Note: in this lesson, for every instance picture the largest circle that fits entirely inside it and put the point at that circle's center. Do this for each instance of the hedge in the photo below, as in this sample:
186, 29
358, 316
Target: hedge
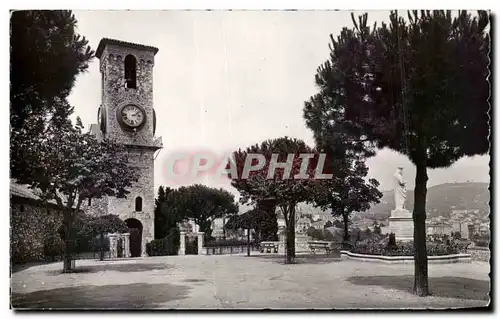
167, 246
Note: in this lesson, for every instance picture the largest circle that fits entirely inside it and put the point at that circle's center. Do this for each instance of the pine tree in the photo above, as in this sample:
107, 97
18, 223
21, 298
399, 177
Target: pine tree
46, 56
417, 86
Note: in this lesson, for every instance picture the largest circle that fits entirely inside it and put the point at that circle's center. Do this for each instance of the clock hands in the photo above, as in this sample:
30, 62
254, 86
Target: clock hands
132, 116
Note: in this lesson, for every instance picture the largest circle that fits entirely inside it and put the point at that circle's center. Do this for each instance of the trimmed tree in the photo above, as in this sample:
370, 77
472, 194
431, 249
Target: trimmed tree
248, 220
203, 204
419, 87
284, 192
70, 167
93, 226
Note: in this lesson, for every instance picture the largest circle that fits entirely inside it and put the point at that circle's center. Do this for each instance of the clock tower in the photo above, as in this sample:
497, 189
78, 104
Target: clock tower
127, 116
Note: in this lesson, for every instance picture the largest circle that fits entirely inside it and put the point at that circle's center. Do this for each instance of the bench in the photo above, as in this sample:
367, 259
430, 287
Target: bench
268, 246
320, 245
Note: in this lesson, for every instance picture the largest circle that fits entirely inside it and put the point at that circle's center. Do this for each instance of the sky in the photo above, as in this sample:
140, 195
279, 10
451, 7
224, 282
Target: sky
228, 79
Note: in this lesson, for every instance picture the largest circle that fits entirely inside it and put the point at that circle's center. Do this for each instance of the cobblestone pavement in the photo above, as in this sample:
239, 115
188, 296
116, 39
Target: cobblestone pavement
195, 282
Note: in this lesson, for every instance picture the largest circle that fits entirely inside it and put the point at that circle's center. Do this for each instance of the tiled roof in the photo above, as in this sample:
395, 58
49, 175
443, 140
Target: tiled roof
21, 190
25, 191
106, 41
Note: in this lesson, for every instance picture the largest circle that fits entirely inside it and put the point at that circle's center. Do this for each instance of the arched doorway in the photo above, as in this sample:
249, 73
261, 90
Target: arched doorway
135, 230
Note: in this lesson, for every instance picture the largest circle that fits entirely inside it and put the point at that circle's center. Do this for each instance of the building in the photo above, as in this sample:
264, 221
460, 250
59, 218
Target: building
460, 227
32, 223
127, 116
438, 228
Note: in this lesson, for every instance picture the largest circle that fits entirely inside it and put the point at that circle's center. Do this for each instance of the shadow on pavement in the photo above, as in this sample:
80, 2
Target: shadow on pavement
447, 287
139, 295
20, 267
122, 267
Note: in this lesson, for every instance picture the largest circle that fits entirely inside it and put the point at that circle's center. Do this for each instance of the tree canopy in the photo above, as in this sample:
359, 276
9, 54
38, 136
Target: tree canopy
166, 216
247, 220
201, 203
284, 193
46, 56
71, 166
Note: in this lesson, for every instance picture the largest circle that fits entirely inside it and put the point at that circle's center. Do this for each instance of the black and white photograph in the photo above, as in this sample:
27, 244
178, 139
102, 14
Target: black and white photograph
250, 159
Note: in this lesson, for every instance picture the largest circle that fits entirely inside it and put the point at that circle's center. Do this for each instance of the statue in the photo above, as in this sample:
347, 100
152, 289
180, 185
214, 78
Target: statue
399, 189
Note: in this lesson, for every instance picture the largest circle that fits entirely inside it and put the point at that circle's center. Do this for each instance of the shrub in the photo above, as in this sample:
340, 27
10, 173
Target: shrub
482, 242
320, 234
387, 247
456, 235
167, 246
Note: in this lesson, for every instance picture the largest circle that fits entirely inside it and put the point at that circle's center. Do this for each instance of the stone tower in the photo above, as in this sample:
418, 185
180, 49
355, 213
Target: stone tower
126, 116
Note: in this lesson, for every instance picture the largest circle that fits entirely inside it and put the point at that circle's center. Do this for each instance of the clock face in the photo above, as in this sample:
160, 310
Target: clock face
132, 115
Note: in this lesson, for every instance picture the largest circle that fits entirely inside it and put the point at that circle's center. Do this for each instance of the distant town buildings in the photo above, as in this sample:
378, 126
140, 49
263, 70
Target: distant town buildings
467, 222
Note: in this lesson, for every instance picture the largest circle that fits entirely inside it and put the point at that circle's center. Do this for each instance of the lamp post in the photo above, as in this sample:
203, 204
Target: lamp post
248, 242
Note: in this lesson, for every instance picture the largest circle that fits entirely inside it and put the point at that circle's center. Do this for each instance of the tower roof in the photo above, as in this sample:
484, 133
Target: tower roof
106, 41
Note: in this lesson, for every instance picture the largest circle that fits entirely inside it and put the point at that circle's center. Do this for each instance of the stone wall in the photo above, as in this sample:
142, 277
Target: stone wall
30, 227
479, 254
97, 207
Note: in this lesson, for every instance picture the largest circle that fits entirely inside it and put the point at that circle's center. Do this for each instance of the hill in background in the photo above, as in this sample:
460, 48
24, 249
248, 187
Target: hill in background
441, 200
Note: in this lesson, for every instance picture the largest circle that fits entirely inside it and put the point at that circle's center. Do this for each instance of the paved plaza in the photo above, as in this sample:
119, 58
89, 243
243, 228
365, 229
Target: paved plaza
261, 281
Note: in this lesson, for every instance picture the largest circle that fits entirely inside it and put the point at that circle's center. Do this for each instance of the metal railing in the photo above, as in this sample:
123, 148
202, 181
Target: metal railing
228, 250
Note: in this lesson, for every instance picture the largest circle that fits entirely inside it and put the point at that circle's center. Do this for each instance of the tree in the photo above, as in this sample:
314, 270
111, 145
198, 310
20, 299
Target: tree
320, 234
92, 226
165, 216
248, 220
348, 194
70, 166
338, 224
159, 214
46, 56
268, 221
349, 191
284, 193
203, 204
417, 86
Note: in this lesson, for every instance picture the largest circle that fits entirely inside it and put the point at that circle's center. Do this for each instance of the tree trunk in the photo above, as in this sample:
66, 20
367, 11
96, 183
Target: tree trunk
345, 216
223, 228
248, 242
421, 286
68, 242
101, 250
290, 237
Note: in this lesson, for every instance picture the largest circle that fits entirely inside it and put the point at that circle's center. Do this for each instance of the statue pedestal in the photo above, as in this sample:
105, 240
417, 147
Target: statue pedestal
401, 224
